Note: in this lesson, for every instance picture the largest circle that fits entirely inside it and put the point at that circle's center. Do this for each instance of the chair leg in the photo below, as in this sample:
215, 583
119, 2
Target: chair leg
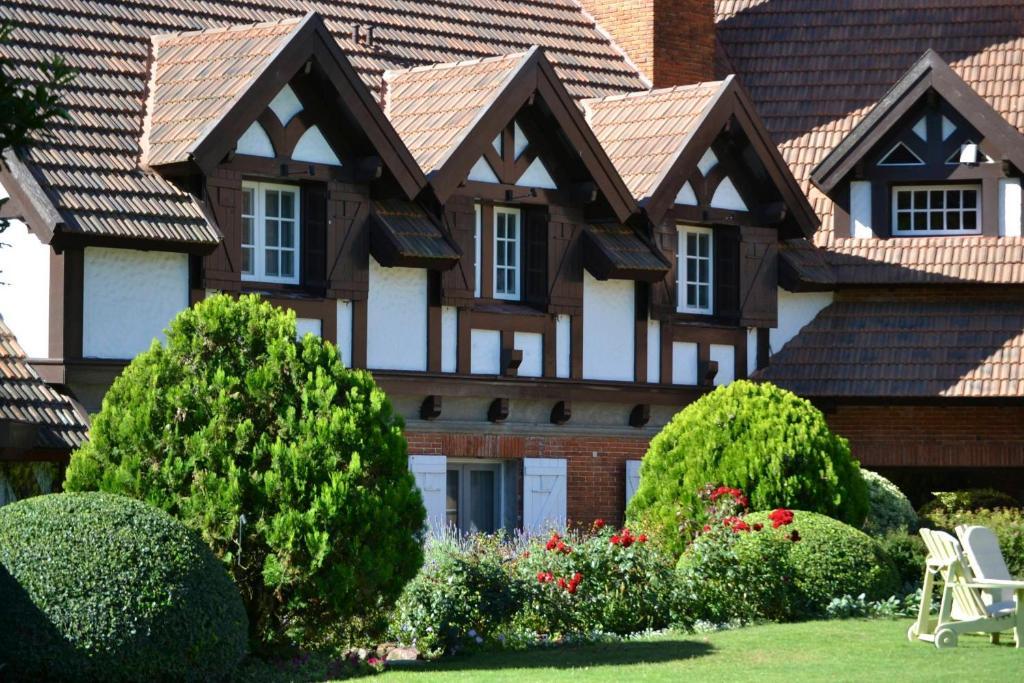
1018, 616
994, 638
924, 610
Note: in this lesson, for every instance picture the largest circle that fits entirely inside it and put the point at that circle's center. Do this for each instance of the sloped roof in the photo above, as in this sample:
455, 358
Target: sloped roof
25, 399
197, 76
89, 166
644, 132
617, 251
434, 107
404, 235
816, 68
907, 348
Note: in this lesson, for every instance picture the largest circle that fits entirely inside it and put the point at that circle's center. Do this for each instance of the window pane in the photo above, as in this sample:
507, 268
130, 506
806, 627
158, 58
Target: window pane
691, 243
272, 207
903, 200
247, 254
510, 254
953, 199
903, 221
270, 233
481, 501
937, 199
702, 246
702, 296
920, 199
953, 221
287, 205
970, 220
702, 271
287, 234
451, 507
920, 220
935, 219
691, 295
247, 201
287, 264
270, 262
970, 198
247, 231
499, 225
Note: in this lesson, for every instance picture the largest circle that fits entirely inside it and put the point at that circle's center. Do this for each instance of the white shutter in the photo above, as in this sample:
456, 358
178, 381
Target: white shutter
431, 473
544, 494
632, 479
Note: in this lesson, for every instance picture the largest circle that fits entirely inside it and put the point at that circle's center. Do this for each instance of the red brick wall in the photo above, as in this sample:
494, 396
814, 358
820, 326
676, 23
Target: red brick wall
933, 436
671, 41
596, 483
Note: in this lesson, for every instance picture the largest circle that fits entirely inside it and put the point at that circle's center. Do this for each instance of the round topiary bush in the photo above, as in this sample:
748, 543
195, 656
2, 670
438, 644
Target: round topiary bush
758, 437
888, 509
292, 467
102, 587
831, 559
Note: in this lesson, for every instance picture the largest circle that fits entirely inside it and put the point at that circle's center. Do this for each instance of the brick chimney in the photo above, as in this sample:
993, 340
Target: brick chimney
672, 42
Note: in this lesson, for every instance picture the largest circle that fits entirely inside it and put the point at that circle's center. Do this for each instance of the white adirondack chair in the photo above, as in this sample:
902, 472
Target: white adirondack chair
963, 607
986, 559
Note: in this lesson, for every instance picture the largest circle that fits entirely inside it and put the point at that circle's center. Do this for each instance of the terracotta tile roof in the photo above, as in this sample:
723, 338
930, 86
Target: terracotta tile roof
197, 76
26, 399
90, 165
434, 107
906, 348
644, 132
614, 250
409, 235
816, 68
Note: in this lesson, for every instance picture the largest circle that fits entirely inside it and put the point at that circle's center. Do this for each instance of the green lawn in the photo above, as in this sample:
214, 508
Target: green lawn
835, 650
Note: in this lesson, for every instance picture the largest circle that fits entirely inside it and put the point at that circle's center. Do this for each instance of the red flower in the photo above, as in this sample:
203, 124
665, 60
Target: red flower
541, 577
553, 541
577, 577
562, 583
598, 523
571, 588
642, 538
526, 553
615, 539
707, 528
780, 517
739, 526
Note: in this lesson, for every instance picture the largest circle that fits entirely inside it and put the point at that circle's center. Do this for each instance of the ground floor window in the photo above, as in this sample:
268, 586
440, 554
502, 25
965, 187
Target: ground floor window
473, 497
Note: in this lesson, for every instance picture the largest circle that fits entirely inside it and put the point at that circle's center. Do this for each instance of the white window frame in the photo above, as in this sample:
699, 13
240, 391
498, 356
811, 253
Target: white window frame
259, 233
517, 244
464, 467
897, 189
682, 261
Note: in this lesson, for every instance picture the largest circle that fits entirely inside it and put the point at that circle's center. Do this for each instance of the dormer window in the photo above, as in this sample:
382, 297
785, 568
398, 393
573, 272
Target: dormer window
270, 233
507, 268
936, 210
696, 257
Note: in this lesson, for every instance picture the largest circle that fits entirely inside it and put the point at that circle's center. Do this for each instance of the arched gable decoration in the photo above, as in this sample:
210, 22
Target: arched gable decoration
709, 151
255, 142
313, 148
488, 125
929, 77
287, 48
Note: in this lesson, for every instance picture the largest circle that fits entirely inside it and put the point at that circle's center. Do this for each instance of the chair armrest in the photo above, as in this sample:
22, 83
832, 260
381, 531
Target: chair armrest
996, 583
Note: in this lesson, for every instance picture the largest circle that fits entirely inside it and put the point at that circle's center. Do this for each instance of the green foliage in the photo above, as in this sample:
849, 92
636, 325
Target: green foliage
1006, 523
624, 584
292, 467
726, 580
832, 559
102, 587
908, 553
758, 437
888, 509
27, 479
462, 596
946, 502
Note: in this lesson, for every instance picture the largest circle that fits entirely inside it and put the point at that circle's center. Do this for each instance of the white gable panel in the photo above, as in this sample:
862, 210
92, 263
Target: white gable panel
948, 128
726, 197
344, 337
563, 345
536, 175
531, 344
485, 352
1009, 207
632, 479
751, 350
544, 494
313, 148
608, 322
686, 196
482, 172
431, 475
684, 363
449, 338
519, 140
255, 142
725, 356
860, 209
128, 298
396, 318
653, 351
921, 128
707, 162
285, 105
796, 309
308, 325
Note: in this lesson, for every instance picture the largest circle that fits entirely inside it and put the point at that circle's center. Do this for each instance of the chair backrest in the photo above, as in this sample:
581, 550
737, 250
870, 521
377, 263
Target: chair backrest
944, 556
982, 549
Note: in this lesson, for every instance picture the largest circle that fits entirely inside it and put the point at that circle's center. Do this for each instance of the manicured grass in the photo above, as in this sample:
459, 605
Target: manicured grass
851, 650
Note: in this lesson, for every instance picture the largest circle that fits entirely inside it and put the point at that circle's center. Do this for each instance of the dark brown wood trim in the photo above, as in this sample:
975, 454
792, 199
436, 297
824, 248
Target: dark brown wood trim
434, 322
576, 346
465, 344
640, 333
71, 325
359, 316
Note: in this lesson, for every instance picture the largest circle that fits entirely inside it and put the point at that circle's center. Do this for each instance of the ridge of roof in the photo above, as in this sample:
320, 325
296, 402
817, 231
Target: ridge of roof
655, 91
161, 37
390, 74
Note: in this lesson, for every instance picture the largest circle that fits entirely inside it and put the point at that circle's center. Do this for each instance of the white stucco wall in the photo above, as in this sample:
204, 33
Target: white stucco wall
796, 309
1009, 207
485, 352
684, 363
860, 209
344, 331
728, 197
725, 356
563, 346
751, 350
653, 351
25, 292
608, 319
449, 338
532, 346
396, 318
308, 325
128, 298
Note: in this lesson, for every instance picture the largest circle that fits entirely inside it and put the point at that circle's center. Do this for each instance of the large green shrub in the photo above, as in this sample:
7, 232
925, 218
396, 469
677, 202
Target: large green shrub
888, 509
462, 597
292, 467
102, 587
758, 437
832, 559
1006, 523
908, 554
968, 500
